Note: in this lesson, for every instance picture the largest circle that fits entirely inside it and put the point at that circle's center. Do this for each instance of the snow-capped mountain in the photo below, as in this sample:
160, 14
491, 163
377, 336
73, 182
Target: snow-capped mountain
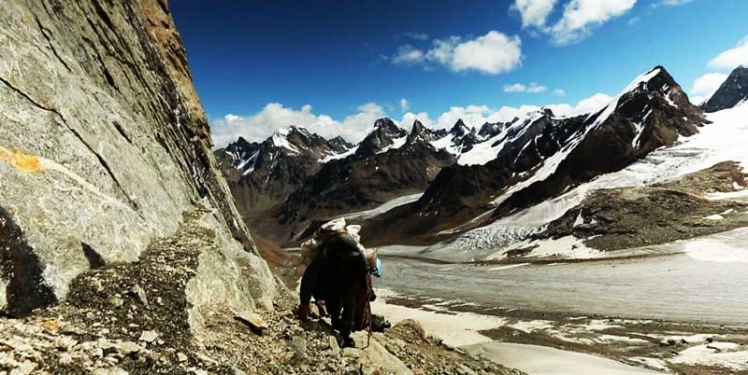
732, 92
389, 163
697, 187
458, 140
490, 130
262, 174
468, 179
340, 143
420, 133
542, 156
384, 136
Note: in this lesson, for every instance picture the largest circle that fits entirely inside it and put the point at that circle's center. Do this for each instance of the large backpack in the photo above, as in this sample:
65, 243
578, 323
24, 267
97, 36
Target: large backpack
311, 247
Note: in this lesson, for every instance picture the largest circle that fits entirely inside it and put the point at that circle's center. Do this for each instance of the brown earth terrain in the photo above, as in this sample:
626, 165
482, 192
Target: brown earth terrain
616, 219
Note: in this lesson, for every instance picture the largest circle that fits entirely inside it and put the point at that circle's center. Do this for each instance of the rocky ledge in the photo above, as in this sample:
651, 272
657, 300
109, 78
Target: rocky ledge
164, 315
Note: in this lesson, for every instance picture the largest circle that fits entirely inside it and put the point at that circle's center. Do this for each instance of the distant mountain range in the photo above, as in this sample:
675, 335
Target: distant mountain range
286, 185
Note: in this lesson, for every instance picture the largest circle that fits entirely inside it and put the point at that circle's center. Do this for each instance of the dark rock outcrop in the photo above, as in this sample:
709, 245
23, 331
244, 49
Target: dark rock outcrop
383, 136
420, 133
341, 144
490, 130
733, 91
463, 137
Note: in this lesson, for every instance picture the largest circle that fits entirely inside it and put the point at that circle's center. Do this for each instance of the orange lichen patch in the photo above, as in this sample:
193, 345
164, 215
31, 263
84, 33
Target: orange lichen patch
51, 325
24, 162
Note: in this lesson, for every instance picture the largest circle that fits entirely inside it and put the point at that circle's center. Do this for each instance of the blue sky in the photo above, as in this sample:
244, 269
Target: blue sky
334, 66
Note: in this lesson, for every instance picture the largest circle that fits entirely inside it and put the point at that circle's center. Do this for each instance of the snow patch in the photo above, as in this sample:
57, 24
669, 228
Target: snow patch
454, 329
385, 207
508, 267
280, 140
396, 143
565, 247
713, 250
532, 326
653, 363
252, 159
614, 339
724, 196
718, 354
579, 220
539, 360
341, 155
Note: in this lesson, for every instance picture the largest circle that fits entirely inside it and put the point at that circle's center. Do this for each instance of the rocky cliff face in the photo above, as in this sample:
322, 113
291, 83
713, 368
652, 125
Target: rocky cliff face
733, 91
104, 147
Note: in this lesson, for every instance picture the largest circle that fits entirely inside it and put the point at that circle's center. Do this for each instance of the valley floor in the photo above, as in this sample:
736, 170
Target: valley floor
682, 311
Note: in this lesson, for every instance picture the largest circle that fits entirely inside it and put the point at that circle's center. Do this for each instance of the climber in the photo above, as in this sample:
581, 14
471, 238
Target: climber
337, 273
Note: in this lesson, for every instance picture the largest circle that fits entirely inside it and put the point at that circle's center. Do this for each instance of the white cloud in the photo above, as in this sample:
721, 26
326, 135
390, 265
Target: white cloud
534, 13
517, 87
732, 58
533, 88
410, 117
592, 104
706, 85
443, 50
404, 105
492, 53
274, 116
417, 36
673, 3
477, 115
580, 16
698, 99
407, 54
559, 92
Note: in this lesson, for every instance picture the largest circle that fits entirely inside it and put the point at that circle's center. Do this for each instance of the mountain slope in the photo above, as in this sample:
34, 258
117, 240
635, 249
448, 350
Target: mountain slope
389, 163
543, 156
262, 175
733, 91
105, 147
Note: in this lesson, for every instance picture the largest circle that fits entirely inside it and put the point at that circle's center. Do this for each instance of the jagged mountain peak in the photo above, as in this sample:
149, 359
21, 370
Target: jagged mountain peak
460, 129
732, 92
656, 80
420, 133
340, 143
655, 90
386, 124
384, 135
418, 127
